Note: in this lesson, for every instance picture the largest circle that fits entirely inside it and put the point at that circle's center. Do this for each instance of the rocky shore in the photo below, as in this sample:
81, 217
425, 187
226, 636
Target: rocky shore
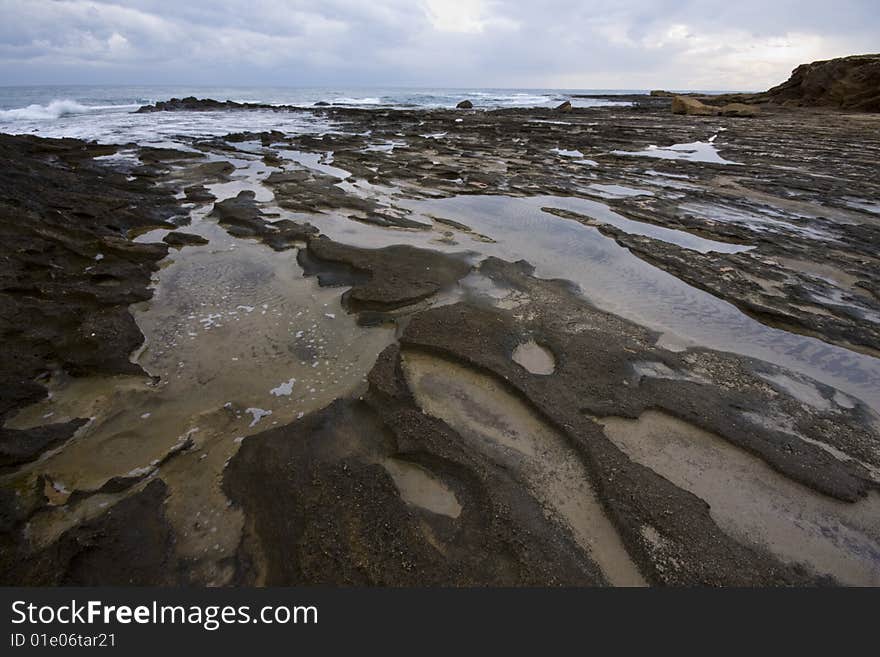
604, 346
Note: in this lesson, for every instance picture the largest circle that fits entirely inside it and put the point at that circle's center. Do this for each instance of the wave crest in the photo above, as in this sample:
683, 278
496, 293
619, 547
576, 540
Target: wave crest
54, 110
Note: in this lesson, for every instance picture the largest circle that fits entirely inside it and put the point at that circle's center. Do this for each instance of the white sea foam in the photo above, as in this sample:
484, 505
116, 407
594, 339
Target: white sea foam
258, 414
357, 101
54, 110
285, 389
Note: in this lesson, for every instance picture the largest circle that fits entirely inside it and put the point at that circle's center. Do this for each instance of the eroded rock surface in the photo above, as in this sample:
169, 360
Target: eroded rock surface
69, 272
514, 432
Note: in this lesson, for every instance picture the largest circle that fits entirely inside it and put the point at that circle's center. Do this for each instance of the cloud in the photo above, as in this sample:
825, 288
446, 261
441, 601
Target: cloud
467, 16
700, 44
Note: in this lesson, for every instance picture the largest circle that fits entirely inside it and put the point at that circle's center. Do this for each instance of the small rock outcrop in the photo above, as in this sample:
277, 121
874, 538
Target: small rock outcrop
178, 239
692, 106
465, 104
564, 107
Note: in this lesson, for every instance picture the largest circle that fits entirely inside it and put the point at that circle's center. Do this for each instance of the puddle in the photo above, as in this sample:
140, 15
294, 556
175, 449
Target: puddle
755, 504
657, 370
534, 358
320, 162
666, 174
804, 391
845, 303
618, 191
385, 147
603, 214
499, 425
419, 487
566, 153
247, 177
754, 220
698, 151
864, 205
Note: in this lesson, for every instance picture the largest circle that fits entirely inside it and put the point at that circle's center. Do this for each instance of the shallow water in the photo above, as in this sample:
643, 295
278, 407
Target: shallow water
613, 279
617, 281
498, 424
241, 342
534, 358
755, 504
607, 274
420, 488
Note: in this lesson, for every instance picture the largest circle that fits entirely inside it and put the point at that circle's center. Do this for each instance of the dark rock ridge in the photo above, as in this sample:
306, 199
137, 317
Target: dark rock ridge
242, 217
179, 239
344, 522
193, 104
68, 272
383, 279
129, 544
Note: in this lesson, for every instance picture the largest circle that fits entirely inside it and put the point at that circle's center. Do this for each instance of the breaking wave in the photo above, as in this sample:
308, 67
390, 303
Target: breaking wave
54, 110
357, 101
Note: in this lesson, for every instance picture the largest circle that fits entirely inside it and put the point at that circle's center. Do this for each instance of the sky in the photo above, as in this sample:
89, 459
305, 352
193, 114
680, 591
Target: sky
572, 44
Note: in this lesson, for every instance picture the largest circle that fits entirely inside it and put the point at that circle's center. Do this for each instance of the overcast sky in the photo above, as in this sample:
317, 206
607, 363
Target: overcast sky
619, 44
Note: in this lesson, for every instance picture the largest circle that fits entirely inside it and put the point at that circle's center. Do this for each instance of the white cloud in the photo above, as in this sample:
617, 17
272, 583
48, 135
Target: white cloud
466, 16
709, 44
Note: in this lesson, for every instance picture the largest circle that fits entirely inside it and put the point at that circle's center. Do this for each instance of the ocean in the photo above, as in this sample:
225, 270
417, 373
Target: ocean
106, 113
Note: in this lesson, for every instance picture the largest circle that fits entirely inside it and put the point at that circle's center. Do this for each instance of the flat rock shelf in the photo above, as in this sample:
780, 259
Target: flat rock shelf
594, 345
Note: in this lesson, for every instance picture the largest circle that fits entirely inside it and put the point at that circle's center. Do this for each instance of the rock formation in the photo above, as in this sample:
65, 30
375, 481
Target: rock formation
848, 83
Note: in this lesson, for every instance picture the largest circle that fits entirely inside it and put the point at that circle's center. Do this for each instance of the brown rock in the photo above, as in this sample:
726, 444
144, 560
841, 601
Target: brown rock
851, 83
692, 106
564, 107
465, 104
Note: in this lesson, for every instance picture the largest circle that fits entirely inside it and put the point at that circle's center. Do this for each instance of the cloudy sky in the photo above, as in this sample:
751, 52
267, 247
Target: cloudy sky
619, 44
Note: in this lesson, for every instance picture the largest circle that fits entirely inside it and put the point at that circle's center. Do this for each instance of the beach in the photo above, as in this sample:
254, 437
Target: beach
381, 340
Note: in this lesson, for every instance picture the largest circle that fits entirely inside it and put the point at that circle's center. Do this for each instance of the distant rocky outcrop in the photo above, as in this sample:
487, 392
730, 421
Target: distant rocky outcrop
465, 104
564, 107
695, 107
847, 83
193, 104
